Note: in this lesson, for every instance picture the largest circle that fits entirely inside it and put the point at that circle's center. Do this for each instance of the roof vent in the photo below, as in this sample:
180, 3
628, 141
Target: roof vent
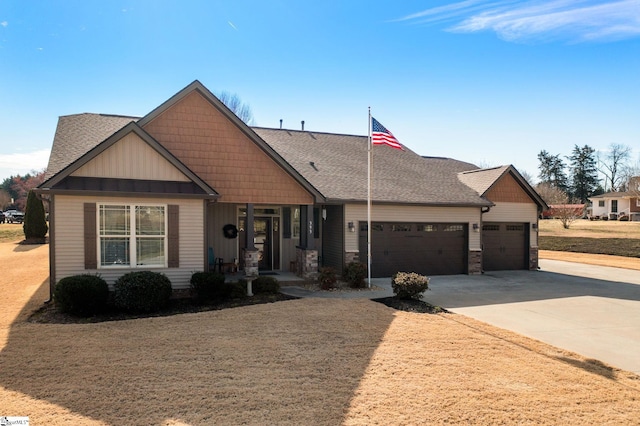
281, 124
302, 122
312, 164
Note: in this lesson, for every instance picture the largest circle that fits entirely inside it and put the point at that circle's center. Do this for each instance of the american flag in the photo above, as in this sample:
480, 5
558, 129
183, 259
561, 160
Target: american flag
381, 136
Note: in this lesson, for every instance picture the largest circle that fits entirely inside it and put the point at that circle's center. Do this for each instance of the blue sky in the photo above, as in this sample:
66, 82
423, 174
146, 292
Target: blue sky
489, 82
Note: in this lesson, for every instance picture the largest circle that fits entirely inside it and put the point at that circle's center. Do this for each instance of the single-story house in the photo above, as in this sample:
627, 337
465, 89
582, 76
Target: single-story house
189, 187
615, 206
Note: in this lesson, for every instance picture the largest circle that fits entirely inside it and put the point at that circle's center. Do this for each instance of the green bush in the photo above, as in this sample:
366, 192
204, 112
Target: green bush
143, 291
409, 285
35, 225
327, 278
208, 287
355, 273
81, 295
265, 285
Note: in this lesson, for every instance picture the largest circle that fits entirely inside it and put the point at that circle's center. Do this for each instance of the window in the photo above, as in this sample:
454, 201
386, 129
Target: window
453, 228
637, 202
614, 206
426, 228
600, 203
132, 236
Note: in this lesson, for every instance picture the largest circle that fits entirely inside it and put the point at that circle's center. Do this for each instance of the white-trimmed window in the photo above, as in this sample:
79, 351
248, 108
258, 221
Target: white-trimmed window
132, 236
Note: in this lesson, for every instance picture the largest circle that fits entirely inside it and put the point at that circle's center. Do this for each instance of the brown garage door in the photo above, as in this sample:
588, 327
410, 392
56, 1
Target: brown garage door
425, 248
505, 246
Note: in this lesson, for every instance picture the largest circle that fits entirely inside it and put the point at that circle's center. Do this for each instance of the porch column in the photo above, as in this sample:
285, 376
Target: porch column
307, 255
250, 252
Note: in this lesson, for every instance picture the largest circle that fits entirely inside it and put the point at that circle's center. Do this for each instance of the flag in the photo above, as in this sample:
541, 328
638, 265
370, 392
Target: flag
381, 136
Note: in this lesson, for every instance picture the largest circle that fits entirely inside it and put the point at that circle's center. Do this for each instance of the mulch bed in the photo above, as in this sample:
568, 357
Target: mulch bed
410, 305
49, 314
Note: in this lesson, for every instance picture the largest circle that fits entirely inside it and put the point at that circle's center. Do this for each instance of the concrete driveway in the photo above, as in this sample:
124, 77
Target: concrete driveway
591, 310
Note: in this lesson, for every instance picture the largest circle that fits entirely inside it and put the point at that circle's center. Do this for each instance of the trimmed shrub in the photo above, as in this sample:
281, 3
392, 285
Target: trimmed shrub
34, 226
207, 287
142, 291
81, 295
355, 273
327, 278
409, 285
265, 285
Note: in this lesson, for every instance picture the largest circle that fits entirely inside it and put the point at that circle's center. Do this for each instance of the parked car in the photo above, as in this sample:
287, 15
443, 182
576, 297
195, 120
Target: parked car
14, 216
1, 217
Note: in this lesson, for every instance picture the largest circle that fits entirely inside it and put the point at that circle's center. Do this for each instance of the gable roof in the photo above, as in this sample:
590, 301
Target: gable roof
336, 165
102, 146
77, 134
482, 180
617, 195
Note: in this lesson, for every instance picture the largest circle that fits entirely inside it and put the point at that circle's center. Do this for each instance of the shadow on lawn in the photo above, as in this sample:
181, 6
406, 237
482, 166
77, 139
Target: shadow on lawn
290, 362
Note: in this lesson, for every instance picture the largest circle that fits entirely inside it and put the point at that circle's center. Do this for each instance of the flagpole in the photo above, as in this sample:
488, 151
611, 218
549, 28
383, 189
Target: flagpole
369, 154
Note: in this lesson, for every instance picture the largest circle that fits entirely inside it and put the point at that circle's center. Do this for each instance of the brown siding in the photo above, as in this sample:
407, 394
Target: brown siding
508, 190
90, 249
173, 236
220, 153
633, 205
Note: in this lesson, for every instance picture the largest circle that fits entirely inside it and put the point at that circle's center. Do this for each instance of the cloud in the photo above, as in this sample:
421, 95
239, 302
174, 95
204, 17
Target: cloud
4, 24
21, 163
231, 25
574, 20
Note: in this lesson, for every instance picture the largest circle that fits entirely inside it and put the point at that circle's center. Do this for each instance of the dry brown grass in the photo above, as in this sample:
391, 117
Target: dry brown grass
590, 229
309, 361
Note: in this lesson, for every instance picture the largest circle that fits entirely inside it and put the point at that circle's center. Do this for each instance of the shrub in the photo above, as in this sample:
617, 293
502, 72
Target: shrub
35, 225
409, 285
327, 278
265, 285
355, 273
208, 287
143, 291
81, 295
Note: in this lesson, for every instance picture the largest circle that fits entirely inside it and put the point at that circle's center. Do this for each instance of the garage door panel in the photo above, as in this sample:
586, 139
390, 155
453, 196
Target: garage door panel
425, 248
505, 246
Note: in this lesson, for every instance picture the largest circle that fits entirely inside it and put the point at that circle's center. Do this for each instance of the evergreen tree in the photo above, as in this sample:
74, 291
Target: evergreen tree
552, 171
584, 172
35, 225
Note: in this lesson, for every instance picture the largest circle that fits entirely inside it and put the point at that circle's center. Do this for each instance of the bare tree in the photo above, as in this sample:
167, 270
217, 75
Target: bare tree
5, 199
612, 165
551, 194
568, 213
235, 104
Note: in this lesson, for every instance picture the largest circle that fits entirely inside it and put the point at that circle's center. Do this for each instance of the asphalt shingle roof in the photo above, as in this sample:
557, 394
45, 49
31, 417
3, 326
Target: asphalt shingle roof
77, 134
482, 179
336, 165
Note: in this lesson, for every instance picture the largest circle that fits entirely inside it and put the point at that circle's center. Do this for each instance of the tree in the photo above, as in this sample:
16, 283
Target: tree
35, 225
5, 199
18, 187
613, 164
550, 194
235, 104
552, 170
584, 173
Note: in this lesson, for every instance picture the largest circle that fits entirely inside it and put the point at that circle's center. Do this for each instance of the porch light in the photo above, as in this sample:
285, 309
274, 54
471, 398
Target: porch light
352, 227
534, 226
476, 227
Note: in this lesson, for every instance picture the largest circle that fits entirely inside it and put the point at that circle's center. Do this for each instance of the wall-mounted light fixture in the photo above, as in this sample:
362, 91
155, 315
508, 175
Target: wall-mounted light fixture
324, 214
352, 227
476, 227
534, 226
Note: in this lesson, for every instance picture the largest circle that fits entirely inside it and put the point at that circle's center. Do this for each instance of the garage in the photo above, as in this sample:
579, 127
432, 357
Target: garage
425, 248
505, 246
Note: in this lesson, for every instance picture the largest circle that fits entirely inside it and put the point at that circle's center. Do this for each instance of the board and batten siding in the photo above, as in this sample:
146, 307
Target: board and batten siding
69, 238
516, 213
333, 231
131, 158
415, 214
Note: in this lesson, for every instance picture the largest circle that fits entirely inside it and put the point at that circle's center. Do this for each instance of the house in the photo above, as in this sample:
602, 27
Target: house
190, 186
564, 210
616, 206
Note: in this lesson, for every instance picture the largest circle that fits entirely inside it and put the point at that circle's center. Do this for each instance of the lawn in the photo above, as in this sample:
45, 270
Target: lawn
11, 232
307, 361
597, 237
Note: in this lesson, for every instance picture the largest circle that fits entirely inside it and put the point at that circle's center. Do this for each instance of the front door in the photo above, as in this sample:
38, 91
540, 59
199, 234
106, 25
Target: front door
266, 240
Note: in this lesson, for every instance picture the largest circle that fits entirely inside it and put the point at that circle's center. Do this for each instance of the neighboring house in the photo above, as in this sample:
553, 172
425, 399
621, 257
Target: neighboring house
166, 192
616, 206
564, 210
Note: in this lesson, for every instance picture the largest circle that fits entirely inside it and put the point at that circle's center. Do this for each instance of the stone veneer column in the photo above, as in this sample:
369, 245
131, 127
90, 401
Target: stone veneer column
251, 262
533, 258
307, 263
352, 256
475, 262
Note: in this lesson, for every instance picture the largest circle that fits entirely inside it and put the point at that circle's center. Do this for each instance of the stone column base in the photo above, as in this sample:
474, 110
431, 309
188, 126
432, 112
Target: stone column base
533, 258
475, 262
307, 265
250, 262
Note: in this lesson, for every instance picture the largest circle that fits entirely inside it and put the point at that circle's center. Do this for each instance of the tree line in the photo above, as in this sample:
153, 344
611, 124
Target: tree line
14, 190
586, 174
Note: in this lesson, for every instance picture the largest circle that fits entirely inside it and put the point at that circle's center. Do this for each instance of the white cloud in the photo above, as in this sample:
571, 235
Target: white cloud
4, 24
22, 163
574, 20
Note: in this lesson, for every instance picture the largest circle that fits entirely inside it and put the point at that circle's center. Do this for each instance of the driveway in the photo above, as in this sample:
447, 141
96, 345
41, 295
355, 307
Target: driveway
591, 310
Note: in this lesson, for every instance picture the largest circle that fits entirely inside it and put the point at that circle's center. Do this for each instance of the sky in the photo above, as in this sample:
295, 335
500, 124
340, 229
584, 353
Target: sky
490, 82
